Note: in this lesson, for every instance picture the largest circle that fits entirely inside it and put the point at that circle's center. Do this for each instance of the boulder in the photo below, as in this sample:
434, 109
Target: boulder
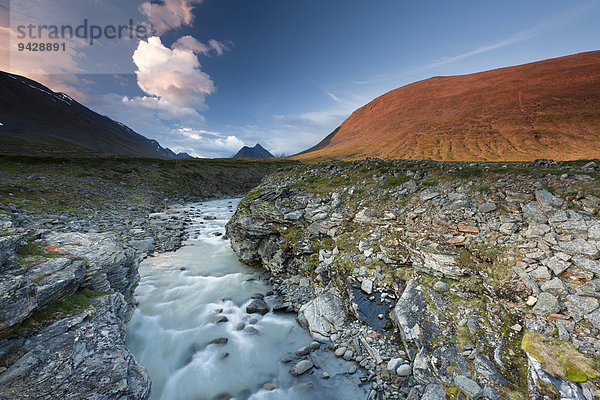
323, 315
546, 304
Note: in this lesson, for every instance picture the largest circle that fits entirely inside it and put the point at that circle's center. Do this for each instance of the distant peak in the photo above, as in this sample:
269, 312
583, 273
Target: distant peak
253, 152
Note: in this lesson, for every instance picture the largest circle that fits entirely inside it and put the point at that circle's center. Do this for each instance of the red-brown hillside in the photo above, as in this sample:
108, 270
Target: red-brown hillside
546, 109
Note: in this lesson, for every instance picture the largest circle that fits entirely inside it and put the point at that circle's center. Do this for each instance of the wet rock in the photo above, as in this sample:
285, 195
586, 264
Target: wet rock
314, 345
219, 318
219, 341
304, 351
324, 375
348, 355
340, 351
257, 306
301, 368
250, 330
269, 387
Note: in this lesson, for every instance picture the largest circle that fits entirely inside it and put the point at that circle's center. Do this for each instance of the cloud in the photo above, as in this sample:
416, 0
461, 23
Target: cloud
170, 14
212, 146
173, 75
190, 43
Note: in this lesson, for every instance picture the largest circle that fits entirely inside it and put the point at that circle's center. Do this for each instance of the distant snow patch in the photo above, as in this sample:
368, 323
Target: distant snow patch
1, 124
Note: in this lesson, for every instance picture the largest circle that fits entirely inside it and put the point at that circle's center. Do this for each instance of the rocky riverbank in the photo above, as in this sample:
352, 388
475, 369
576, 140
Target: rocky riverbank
461, 280
71, 239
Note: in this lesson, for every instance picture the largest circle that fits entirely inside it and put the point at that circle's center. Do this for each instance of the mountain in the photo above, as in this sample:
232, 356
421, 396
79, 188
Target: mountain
253, 152
546, 109
36, 120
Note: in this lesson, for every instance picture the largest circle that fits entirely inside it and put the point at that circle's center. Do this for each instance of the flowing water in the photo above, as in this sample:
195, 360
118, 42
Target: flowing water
172, 328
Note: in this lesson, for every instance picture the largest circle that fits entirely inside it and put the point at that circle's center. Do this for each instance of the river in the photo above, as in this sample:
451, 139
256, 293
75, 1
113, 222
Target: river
171, 330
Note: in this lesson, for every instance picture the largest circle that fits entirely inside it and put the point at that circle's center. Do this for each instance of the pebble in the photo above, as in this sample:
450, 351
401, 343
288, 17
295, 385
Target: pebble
404, 370
340, 351
301, 367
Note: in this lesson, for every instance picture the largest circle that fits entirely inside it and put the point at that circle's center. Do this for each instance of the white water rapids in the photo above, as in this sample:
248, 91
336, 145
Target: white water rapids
170, 332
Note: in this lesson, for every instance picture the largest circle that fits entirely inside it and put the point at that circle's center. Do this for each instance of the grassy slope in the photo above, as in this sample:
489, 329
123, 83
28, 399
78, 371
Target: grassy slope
79, 183
548, 109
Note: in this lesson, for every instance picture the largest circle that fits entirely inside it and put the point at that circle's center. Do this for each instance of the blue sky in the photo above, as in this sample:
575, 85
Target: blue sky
286, 73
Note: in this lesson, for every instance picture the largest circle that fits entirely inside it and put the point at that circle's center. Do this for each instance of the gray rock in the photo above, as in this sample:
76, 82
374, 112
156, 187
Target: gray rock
533, 211
55, 278
314, 345
352, 370
546, 304
340, 351
8, 249
579, 306
409, 311
301, 368
594, 318
404, 370
591, 265
324, 315
468, 386
394, 363
367, 286
557, 265
303, 351
348, 355
594, 230
146, 245
555, 286
324, 375
80, 357
487, 207
109, 265
428, 194
545, 199
434, 391
441, 287
219, 318
250, 330
579, 247
17, 301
